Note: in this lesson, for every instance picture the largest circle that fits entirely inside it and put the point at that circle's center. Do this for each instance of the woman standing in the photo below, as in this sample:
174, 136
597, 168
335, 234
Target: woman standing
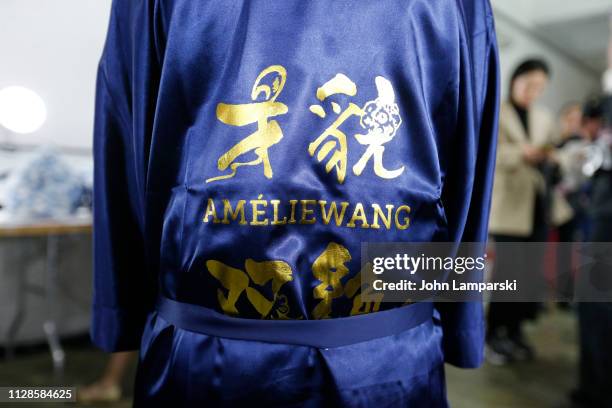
521, 203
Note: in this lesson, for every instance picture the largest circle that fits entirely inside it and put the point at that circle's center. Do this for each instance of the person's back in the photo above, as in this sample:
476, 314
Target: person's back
244, 150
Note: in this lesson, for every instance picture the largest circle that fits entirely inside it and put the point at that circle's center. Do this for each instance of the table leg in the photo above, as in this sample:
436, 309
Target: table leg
19, 315
50, 325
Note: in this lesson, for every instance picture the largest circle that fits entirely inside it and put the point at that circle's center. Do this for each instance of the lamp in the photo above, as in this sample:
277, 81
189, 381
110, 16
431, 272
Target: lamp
22, 111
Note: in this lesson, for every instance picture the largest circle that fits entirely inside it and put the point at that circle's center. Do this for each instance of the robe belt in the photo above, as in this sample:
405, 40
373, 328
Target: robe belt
325, 333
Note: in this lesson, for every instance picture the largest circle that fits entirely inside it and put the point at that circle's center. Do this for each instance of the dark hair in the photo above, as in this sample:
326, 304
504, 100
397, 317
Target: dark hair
527, 66
593, 108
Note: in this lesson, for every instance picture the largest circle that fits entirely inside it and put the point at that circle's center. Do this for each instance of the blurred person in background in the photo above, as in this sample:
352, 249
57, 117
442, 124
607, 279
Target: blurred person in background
570, 119
572, 154
521, 204
595, 318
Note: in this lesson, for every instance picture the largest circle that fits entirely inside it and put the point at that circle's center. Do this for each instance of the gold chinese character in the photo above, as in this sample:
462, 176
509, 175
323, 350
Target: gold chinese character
261, 272
329, 268
356, 289
232, 279
268, 131
340, 84
236, 281
381, 118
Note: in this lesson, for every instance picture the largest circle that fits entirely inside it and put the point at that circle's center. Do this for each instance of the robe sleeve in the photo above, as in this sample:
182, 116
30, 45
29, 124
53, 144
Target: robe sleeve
467, 189
123, 285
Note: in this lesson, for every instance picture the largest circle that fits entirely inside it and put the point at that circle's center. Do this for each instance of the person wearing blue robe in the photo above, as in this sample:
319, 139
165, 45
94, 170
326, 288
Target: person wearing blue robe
243, 152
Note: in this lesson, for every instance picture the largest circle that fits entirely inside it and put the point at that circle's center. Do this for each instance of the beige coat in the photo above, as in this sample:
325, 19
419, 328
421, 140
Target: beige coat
516, 182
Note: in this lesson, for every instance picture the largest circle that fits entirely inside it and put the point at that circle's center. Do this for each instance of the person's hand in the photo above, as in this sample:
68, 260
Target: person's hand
534, 155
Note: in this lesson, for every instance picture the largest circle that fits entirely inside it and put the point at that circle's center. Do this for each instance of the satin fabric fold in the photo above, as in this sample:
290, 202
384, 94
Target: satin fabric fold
181, 368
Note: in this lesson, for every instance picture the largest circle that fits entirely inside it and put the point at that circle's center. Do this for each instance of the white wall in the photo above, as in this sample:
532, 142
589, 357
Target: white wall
569, 81
533, 12
53, 47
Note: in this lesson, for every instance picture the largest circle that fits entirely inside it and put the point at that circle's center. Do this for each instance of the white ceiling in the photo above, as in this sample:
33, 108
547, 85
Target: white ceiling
578, 28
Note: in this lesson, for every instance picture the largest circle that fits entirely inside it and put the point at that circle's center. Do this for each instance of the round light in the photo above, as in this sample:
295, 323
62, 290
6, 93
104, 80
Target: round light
21, 110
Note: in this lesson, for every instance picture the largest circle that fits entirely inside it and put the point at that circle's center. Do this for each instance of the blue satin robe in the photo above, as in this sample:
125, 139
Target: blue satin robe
287, 107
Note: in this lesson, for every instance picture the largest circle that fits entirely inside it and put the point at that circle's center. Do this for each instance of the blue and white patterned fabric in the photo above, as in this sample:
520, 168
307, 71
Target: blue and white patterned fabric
42, 185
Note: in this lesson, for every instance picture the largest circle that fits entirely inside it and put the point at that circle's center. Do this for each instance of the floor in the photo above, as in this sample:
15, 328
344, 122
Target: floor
542, 383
